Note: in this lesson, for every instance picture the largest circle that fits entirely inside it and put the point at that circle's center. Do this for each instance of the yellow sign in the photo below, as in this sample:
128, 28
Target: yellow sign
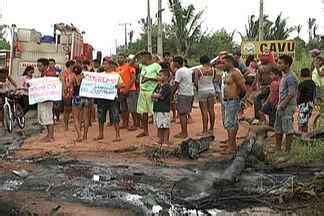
278, 47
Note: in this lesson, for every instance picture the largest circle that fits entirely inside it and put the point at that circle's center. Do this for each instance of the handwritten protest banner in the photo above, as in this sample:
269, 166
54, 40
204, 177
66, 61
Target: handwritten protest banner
99, 85
44, 89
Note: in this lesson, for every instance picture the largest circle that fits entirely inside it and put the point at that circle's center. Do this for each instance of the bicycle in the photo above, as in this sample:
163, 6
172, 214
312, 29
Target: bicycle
13, 112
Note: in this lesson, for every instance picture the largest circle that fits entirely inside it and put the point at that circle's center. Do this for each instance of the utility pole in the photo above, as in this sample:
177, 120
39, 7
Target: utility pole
116, 46
160, 30
261, 17
149, 28
125, 29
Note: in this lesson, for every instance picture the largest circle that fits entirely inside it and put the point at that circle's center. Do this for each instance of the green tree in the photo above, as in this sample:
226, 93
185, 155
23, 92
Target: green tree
301, 48
186, 26
211, 44
4, 45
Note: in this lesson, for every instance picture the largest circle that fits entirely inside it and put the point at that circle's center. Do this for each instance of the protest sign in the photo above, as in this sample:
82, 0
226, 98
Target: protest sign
44, 89
278, 47
99, 85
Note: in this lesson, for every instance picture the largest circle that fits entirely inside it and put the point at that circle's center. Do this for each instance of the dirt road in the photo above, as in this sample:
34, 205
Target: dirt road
106, 149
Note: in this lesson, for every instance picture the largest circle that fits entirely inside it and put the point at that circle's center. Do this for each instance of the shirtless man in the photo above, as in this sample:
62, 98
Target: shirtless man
233, 90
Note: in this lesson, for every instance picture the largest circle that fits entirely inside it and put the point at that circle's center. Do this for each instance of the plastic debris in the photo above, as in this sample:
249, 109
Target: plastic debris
156, 209
96, 178
21, 173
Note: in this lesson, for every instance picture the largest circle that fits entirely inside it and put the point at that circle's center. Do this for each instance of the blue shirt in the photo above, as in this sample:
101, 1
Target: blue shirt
288, 86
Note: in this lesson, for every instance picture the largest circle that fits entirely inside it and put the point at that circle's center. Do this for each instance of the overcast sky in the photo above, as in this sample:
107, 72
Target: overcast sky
100, 18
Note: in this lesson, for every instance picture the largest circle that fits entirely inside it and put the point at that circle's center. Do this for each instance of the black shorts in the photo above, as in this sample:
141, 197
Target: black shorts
103, 106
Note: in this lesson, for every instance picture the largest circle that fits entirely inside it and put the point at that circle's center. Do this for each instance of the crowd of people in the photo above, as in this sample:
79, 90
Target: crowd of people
152, 88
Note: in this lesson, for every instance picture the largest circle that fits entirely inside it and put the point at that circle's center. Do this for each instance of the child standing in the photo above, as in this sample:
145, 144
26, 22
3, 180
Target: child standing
269, 107
305, 99
103, 105
161, 107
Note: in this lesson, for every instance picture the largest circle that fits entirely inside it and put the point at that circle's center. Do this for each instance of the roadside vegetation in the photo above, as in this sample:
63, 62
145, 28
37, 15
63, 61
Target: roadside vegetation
302, 153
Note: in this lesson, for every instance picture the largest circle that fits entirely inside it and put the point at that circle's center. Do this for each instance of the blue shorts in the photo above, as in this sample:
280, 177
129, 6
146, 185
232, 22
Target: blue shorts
267, 109
103, 106
230, 115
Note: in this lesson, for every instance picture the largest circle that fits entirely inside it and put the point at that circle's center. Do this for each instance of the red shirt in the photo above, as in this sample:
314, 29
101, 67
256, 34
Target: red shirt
274, 91
68, 83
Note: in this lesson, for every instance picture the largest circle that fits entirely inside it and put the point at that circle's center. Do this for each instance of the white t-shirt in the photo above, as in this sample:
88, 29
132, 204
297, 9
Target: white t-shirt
183, 76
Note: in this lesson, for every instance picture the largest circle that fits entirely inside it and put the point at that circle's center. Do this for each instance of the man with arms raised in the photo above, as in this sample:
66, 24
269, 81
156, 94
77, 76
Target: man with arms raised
233, 90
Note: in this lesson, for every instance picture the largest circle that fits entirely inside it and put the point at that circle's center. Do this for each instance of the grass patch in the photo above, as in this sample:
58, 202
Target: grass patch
303, 153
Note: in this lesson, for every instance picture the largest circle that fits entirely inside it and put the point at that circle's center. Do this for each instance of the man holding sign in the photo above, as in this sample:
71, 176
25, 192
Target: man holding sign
45, 109
103, 87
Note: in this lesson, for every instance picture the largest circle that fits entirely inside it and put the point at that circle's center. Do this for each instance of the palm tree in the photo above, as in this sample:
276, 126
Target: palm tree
252, 29
298, 29
311, 22
186, 25
279, 30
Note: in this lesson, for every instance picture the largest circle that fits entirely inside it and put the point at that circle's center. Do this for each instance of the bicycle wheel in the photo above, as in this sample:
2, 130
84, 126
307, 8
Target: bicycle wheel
7, 118
20, 116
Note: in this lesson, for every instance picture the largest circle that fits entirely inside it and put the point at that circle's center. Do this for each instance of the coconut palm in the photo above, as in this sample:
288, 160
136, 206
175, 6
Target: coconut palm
252, 28
279, 29
186, 26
